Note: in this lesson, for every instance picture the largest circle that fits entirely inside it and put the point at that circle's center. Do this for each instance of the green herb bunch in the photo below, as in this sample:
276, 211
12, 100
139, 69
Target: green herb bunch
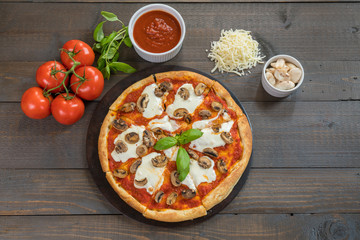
108, 47
182, 159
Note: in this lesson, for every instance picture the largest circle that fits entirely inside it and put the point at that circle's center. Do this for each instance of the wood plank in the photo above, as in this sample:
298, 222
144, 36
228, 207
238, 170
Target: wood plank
310, 32
171, 1
247, 226
64, 192
286, 134
324, 80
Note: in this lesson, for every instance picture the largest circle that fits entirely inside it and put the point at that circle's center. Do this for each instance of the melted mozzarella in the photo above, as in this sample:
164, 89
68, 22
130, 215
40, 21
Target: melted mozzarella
210, 138
189, 182
154, 106
226, 116
164, 123
204, 123
154, 175
189, 104
171, 153
131, 152
199, 174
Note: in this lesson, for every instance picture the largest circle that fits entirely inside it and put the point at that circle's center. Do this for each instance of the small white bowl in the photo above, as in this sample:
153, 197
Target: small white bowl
157, 57
273, 91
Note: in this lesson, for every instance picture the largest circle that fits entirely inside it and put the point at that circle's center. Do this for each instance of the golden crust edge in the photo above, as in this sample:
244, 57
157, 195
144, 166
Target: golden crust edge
124, 195
182, 76
143, 82
102, 141
226, 186
172, 215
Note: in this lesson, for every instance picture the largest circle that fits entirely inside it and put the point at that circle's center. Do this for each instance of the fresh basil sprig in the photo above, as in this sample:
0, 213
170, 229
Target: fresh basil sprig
108, 47
182, 163
182, 159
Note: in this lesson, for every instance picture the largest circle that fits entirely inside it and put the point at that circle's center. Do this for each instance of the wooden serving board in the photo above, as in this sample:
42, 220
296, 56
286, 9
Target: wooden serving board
93, 158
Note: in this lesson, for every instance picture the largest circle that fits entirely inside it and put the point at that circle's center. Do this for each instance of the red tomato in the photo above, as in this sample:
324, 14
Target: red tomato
66, 111
46, 79
92, 87
80, 52
34, 104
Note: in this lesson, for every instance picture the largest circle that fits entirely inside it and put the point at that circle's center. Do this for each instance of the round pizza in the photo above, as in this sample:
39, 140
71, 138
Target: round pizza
173, 145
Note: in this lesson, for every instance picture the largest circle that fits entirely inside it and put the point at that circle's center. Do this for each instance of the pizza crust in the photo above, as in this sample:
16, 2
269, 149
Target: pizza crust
172, 215
144, 82
184, 76
102, 143
124, 195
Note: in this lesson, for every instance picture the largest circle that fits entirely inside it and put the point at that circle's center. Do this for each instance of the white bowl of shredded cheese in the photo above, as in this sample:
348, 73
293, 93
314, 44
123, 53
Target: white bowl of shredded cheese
278, 90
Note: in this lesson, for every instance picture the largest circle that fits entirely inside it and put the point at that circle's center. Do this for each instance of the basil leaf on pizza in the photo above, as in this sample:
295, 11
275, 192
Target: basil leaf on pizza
165, 143
182, 163
190, 135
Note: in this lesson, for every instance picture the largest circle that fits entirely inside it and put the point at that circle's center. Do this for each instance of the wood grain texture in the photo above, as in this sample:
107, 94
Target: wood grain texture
247, 226
307, 31
65, 192
171, 1
286, 134
324, 80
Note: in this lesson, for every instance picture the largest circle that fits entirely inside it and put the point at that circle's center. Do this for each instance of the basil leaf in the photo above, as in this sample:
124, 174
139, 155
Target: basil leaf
126, 68
111, 53
116, 57
182, 163
165, 143
109, 16
189, 136
97, 47
128, 42
106, 72
101, 63
98, 32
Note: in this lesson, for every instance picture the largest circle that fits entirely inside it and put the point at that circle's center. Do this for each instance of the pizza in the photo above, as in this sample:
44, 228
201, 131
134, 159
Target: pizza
164, 108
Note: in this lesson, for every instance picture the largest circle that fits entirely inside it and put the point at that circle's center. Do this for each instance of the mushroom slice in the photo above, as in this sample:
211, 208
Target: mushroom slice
226, 136
142, 102
210, 152
204, 162
158, 92
174, 177
216, 106
270, 77
157, 131
166, 86
132, 137
128, 107
188, 193
120, 124
199, 89
290, 65
187, 118
134, 166
159, 161
221, 166
180, 112
160, 136
148, 139
184, 93
141, 182
193, 154
295, 75
141, 150
281, 75
120, 173
205, 114
158, 196
216, 128
285, 85
120, 147
171, 198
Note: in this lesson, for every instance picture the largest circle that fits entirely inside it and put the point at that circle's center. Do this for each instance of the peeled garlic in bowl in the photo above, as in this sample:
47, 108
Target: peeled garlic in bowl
283, 75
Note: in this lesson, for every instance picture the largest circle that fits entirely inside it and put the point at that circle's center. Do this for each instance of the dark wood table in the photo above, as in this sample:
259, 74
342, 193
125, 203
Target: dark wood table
304, 181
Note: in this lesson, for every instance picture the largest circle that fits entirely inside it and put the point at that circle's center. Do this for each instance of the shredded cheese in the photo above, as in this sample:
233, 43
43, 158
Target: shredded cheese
235, 52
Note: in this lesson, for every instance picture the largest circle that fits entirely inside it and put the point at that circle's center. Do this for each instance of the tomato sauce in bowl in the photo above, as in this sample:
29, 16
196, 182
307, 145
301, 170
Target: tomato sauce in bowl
157, 31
